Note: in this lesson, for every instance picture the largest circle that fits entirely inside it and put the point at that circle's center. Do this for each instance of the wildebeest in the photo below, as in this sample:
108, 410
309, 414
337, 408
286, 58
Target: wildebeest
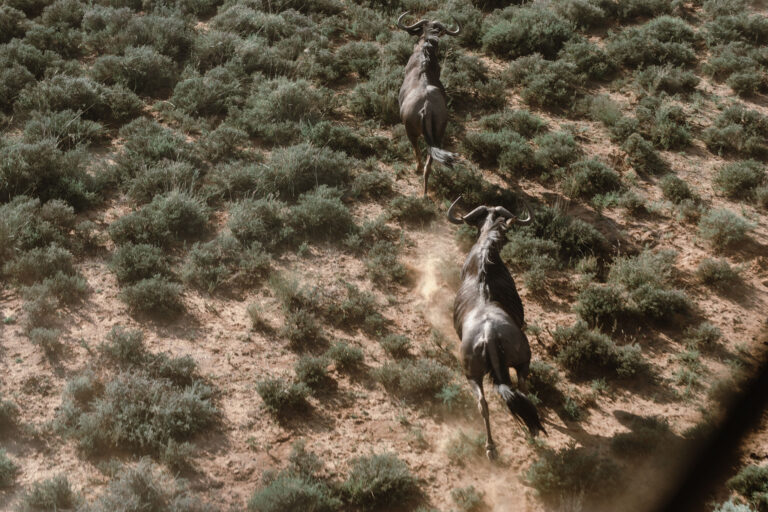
422, 96
488, 317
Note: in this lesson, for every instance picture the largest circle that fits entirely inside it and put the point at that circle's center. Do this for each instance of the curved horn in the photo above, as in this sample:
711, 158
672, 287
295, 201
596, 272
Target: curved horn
472, 216
504, 212
529, 215
451, 217
409, 28
455, 31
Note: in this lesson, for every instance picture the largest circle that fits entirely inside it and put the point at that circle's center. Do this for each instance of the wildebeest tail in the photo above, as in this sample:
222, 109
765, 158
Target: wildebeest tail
519, 405
441, 155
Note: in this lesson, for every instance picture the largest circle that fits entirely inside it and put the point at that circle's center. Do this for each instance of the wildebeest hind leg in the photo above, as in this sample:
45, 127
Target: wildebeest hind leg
414, 138
522, 377
427, 170
482, 404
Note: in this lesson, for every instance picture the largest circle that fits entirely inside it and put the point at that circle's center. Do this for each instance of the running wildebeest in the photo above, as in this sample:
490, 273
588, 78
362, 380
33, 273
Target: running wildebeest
422, 97
488, 317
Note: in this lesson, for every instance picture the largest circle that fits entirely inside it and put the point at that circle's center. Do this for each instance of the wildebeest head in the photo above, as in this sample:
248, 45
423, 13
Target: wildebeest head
426, 28
489, 217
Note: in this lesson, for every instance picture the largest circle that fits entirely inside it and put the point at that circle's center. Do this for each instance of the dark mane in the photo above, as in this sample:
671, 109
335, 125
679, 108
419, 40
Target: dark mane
485, 272
430, 65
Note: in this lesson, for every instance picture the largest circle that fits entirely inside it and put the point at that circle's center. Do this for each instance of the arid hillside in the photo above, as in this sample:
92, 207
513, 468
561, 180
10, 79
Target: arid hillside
222, 289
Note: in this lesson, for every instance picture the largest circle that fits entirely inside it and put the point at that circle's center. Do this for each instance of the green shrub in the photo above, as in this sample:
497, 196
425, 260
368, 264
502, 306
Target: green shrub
659, 304
138, 411
748, 28
379, 480
557, 149
259, 220
730, 58
731, 506
761, 195
47, 339
287, 492
224, 143
66, 127
723, 228
588, 58
374, 184
224, 261
571, 474
13, 23
300, 328
601, 306
134, 262
648, 433
738, 130
164, 177
467, 83
169, 218
704, 334
146, 142
297, 169
543, 380
739, 179
66, 288
155, 296
53, 494
357, 309
752, 483
642, 155
382, 263
675, 189
665, 124
214, 93
281, 398
545, 83
42, 170
142, 70
487, 148
468, 499
37, 264
586, 352
397, 346
346, 357
663, 40
520, 31
320, 215
313, 372
412, 209
585, 14
717, 8
343, 138
574, 237
97, 102
377, 98
8, 471
668, 78
9, 414
415, 381
521, 121
632, 9
589, 177
718, 274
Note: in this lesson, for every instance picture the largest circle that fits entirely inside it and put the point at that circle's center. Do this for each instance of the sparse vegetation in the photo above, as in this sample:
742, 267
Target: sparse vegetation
379, 480
723, 228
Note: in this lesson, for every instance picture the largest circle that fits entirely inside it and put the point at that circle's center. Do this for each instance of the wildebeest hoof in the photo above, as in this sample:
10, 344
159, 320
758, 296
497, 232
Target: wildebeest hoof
491, 452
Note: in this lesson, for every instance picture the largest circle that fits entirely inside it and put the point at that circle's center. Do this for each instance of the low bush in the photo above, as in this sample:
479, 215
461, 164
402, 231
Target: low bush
142, 70
9, 414
663, 123
739, 179
468, 84
703, 335
214, 93
164, 177
382, 263
225, 143
345, 356
13, 23
313, 372
47, 339
549, 84
585, 352
468, 499
730, 58
642, 156
570, 474
53, 494
412, 209
632, 9
377, 98
379, 480
718, 274
743, 26
488, 148
67, 128
168, 219
373, 184
396, 346
415, 381
134, 262
589, 177
543, 380
520, 31
723, 228
356, 309
320, 215
38, 264
42, 170
574, 237
557, 149
668, 78
155, 296
588, 58
147, 143
282, 398
738, 130
663, 40
139, 410
521, 121
343, 138
602, 306
301, 328
295, 170
259, 220
675, 189
287, 491
8, 471
752, 483
224, 261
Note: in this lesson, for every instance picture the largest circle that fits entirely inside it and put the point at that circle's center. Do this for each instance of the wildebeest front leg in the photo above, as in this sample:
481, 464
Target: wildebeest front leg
414, 138
482, 404
427, 170
522, 376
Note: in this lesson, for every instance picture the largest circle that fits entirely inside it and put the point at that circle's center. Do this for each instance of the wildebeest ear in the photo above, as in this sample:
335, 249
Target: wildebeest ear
476, 215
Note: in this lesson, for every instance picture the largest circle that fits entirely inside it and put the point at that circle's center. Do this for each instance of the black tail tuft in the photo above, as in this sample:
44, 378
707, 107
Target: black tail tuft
522, 409
444, 157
